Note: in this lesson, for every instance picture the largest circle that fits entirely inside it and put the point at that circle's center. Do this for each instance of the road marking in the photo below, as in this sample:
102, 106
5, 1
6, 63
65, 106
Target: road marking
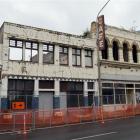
98, 135
3, 133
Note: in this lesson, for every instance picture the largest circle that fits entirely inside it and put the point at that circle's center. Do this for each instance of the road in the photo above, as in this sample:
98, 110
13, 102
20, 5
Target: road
124, 129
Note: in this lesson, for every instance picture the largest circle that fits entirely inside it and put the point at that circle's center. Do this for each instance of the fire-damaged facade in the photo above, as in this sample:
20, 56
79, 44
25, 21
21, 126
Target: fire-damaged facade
48, 69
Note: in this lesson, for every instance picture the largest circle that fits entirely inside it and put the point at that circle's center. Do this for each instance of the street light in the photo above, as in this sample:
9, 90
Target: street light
98, 57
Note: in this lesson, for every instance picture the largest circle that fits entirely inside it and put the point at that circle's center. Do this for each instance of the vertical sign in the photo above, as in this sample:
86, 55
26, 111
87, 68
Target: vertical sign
101, 32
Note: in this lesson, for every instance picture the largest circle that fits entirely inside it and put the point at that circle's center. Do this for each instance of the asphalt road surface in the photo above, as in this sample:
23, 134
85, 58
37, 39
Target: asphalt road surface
124, 129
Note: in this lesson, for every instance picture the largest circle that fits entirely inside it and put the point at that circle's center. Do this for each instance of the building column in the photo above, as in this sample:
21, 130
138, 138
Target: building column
57, 94
35, 99
130, 56
138, 56
56, 55
85, 93
94, 59
110, 53
83, 58
40, 53
121, 59
70, 56
3, 93
134, 96
97, 96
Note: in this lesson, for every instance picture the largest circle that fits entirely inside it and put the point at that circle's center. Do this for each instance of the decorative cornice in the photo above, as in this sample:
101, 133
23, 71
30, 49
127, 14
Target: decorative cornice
118, 64
48, 78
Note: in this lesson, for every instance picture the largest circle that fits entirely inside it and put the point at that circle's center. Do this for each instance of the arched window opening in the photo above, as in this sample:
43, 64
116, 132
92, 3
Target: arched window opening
105, 51
115, 50
134, 53
125, 52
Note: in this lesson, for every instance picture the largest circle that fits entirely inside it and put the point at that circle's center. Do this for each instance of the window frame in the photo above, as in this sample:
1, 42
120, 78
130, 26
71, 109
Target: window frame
64, 53
87, 56
15, 46
31, 49
47, 50
76, 55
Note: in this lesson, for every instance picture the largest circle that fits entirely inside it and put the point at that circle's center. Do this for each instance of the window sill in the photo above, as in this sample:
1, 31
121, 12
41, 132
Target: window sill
77, 66
21, 61
48, 63
88, 66
65, 65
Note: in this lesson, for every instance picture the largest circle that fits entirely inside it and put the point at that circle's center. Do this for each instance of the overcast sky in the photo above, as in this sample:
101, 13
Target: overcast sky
71, 16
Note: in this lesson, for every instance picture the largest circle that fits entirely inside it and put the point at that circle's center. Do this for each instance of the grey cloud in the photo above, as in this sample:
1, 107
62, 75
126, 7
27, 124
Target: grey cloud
72, 16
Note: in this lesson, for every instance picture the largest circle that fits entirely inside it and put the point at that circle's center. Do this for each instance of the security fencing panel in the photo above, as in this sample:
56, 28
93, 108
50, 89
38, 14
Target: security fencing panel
46, 100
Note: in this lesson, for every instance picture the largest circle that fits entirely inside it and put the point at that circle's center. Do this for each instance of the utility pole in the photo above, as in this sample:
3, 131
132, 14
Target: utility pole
98, 55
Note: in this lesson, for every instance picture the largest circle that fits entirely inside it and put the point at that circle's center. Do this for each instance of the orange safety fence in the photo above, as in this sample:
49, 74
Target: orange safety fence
87, 114
73, 115
48, 118
137, 109
42, 118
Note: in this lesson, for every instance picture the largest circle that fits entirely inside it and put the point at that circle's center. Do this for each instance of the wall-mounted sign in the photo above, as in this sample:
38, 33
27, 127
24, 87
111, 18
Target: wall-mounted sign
18, 105
101, 32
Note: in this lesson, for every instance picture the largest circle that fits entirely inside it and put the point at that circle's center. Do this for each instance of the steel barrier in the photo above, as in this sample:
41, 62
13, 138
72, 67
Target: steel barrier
32, 119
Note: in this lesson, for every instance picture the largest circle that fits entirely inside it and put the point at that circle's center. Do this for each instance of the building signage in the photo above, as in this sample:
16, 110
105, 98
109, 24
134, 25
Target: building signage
101, 32
18, 105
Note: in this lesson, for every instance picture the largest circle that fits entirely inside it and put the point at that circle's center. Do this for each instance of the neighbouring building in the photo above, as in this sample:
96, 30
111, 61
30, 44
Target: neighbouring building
48, 69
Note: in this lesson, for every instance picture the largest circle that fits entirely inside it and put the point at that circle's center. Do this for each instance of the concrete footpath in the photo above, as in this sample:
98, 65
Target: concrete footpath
124, 129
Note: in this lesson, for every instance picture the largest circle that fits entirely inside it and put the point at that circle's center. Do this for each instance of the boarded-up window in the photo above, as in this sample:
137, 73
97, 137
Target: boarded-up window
125, 52
46, 84
105, 51
20, 90
115, 51
134, 53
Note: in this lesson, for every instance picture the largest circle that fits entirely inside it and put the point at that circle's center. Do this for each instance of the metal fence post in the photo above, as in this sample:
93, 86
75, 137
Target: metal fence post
14, 125
33, 120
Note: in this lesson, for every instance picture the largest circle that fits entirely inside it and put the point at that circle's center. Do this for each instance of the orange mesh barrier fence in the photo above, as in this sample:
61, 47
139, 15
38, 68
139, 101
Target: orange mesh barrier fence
6, 122
42, 118
21, 119
73, 115
47, 118
58, 117
129, 110
137, 109
86, 114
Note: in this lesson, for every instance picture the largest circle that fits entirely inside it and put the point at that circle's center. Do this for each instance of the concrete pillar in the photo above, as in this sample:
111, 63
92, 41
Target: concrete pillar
85, 93
100, 55
3, 93
126, 95
94, 57
134, 97
36, 87
70, 57
57, 94
4, 87
56, 55
110, 54
23, 51
130, 56
97, 97
83, 58
121, 59
35, 98
40, 53
138, 55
